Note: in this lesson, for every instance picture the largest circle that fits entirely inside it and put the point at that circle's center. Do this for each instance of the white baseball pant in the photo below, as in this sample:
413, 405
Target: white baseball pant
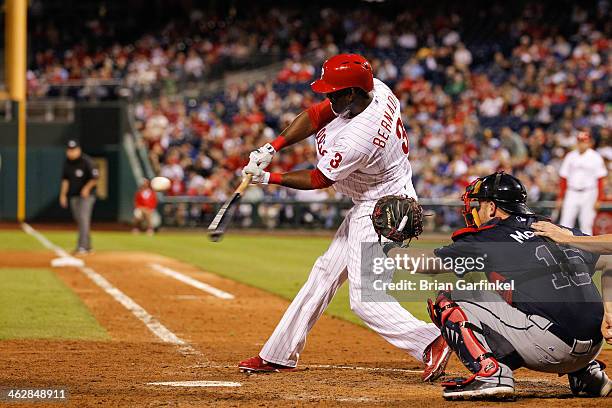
342, 260
581, 204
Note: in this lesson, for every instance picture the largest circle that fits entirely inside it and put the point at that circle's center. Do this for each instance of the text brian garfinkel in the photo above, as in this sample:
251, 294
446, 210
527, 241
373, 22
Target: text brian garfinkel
427, 285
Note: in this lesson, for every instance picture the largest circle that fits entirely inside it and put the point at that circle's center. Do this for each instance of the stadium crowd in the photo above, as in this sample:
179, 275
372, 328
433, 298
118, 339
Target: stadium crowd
505, 88
95, 62
518, 110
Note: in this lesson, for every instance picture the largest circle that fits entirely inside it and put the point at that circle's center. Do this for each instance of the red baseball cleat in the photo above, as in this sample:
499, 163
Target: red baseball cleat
258, 365
435, 357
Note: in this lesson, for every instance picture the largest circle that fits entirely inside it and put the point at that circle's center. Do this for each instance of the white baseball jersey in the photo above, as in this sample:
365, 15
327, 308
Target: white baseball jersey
582, 171
367, 156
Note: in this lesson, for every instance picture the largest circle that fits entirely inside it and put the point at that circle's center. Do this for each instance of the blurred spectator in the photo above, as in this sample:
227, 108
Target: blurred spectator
502, 89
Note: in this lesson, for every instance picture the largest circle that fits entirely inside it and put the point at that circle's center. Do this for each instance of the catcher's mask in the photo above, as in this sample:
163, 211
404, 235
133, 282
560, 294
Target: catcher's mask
506, 191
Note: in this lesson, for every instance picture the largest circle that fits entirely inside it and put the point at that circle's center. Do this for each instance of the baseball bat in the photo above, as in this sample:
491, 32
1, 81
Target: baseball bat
220, 223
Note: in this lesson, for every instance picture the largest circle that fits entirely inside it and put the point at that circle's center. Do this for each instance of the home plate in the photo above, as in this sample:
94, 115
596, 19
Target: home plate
198, 384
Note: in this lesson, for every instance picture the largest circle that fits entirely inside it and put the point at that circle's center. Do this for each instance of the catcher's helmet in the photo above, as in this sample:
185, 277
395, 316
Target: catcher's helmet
344, 71
506, 191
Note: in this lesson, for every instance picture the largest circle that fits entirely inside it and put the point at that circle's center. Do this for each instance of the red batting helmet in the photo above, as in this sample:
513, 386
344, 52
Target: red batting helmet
344, 71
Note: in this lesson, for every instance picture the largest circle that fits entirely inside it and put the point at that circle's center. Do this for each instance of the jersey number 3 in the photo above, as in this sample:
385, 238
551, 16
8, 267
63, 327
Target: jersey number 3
335, 162
400, 131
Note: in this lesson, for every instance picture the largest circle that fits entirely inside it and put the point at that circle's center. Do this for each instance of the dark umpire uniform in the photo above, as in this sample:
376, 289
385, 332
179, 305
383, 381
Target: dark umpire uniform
549, 315
79, 179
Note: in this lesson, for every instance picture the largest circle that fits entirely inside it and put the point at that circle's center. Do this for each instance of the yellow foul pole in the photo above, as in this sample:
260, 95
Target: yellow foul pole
15, 60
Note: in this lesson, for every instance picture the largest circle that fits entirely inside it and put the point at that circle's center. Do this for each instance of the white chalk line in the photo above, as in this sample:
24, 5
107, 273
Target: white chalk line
319, 398
151, 322
187, 297
324, 367
191, 282
197, 383
44, 241
158, 329
344, 367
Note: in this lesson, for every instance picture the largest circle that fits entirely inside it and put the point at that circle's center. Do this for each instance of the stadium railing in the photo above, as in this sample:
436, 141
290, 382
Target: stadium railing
51, 110
187, 211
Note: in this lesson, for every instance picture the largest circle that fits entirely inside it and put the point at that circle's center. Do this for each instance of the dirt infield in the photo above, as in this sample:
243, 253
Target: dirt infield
343, 364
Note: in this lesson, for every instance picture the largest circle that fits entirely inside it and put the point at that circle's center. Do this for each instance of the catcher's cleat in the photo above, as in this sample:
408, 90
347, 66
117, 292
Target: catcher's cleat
435, 357
477, 390
591, 381
258, 365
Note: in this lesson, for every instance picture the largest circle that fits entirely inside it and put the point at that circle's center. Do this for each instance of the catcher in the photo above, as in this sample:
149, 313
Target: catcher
551, 319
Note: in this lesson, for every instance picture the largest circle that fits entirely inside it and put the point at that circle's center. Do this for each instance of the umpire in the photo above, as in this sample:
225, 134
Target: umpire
79, 179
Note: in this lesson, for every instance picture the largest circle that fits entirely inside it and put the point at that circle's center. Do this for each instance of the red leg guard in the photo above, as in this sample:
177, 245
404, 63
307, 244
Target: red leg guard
433, 313
459, 334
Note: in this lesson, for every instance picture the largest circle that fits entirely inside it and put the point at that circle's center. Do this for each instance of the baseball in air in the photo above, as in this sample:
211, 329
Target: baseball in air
160, 183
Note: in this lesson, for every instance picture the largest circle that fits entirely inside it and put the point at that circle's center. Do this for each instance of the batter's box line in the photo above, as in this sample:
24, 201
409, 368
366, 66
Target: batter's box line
322, 398
181, 277
152, 323
323, 367
345, 367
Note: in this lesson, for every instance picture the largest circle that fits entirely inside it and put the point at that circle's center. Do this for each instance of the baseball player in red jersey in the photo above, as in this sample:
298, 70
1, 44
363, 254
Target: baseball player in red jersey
583, 173
362, 151
145, 203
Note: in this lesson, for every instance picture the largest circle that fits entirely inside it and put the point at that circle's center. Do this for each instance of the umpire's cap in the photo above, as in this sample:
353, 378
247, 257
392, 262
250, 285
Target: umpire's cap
72, 144
506, 191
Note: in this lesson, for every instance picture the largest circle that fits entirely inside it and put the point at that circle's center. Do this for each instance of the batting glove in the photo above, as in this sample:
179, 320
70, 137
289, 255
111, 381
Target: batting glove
259, 176
262, 156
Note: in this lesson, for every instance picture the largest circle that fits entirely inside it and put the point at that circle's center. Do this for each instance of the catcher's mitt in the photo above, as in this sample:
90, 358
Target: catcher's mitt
397, 218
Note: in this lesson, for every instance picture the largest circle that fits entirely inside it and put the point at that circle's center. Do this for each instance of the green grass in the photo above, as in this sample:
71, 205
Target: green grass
16, 240
279, 265
35, 304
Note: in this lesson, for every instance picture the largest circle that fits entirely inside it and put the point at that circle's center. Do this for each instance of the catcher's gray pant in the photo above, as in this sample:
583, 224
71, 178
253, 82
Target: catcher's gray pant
540, 349
342, 261
81, 212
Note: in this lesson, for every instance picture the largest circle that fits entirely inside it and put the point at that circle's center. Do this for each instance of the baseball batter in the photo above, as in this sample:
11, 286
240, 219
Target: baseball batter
547, 314
362, 151
583, 173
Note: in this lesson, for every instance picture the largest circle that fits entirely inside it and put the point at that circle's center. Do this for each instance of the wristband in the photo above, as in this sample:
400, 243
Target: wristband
278, 143
273, 178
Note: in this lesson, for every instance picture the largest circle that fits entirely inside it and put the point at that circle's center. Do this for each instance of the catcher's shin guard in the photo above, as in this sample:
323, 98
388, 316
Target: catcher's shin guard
459, 334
